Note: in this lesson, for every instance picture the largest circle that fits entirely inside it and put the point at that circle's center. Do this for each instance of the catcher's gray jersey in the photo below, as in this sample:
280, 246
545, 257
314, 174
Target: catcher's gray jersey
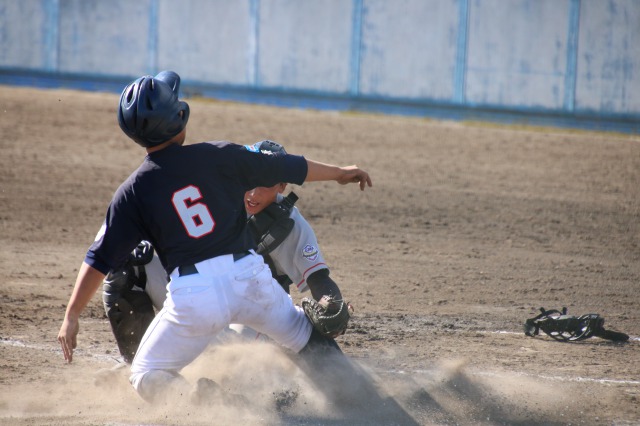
298, 256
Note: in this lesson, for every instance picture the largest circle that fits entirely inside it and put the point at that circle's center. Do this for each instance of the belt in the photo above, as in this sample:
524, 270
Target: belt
185, 270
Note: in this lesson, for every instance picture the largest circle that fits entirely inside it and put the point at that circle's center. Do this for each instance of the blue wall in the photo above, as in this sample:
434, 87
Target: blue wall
559, 62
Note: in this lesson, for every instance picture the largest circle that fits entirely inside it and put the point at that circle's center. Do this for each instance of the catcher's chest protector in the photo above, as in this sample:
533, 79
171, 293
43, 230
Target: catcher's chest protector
272, 225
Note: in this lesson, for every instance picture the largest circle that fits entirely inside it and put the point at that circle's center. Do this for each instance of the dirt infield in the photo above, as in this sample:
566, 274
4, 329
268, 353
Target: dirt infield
467, 231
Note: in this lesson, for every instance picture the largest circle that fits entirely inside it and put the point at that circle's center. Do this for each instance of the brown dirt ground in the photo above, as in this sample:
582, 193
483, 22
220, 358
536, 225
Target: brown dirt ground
468, 230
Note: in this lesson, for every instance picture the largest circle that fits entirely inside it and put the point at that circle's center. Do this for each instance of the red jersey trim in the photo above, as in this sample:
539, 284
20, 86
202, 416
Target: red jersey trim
304, 274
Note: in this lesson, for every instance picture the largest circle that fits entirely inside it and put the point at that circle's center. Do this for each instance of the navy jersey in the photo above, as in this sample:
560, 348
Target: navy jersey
188, 202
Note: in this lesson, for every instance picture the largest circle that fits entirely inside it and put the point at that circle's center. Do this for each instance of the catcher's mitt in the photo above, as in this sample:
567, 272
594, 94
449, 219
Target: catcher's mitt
329, 316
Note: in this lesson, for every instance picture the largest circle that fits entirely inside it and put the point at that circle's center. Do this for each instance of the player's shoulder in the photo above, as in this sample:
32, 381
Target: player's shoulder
298, 217
219, 152
210, 145
229, 148
302, 232
133, 179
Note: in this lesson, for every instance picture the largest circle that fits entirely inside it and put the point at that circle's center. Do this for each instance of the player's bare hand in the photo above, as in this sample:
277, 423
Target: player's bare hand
67, 337
354, 174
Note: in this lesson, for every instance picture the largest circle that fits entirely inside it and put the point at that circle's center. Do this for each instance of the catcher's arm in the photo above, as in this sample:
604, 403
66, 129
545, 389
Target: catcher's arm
328, 313
321, 284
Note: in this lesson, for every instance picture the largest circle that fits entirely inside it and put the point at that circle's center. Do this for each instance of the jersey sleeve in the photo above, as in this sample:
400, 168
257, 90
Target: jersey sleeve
258, 169
118, 236
299, 255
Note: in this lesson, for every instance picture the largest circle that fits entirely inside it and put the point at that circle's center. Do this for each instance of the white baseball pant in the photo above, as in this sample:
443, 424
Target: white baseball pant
201, 305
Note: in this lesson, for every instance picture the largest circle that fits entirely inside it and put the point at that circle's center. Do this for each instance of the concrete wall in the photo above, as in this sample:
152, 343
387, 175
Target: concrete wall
567, 62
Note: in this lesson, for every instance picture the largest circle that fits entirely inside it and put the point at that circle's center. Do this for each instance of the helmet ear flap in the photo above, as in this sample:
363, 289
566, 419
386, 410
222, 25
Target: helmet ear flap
184, 112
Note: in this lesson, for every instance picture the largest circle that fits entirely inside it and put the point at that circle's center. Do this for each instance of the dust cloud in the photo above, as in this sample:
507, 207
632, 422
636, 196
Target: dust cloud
261, 384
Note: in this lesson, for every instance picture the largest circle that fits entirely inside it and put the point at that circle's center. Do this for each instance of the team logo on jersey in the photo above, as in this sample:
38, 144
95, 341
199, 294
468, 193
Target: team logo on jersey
310, 252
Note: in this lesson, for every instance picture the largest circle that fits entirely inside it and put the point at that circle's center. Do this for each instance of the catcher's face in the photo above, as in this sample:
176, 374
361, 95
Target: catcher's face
259, 198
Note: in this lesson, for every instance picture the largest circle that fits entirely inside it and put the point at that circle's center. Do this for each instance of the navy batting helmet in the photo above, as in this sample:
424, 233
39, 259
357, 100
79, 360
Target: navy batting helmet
268, 147
150, 112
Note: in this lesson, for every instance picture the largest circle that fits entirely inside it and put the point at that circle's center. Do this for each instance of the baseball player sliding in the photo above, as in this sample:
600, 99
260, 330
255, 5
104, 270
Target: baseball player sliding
285, 239
188, 201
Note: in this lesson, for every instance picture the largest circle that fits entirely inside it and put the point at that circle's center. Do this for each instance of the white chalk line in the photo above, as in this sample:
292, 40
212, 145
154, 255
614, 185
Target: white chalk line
538, 376
49, 348
100, 357
560, 378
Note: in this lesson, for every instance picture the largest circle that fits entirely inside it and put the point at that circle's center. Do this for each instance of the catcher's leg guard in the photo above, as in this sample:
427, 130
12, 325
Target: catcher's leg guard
130, 311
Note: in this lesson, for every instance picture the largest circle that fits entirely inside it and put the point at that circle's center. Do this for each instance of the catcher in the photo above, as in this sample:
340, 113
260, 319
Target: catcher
283, 237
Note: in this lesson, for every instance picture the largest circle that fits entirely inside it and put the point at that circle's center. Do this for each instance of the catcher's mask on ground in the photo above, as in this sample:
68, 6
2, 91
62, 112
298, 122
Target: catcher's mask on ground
150, 112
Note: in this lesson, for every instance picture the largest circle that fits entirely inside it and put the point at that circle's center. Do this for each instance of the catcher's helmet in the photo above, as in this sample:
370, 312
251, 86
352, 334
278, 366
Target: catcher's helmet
268, 147
150, 112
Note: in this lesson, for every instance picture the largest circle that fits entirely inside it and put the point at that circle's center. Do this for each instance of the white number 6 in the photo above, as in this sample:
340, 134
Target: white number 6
196, 217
